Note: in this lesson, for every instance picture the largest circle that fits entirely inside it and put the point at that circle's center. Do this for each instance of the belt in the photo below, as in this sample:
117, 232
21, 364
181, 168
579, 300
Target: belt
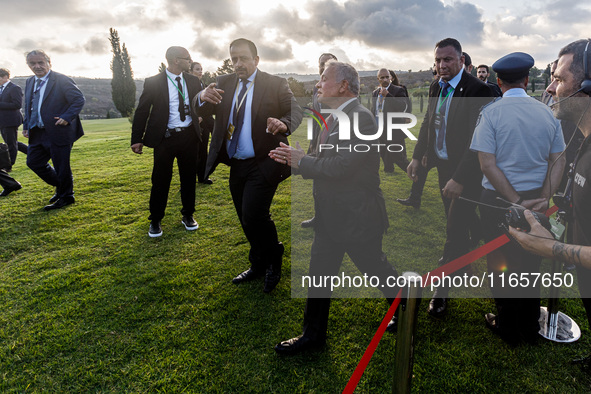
171, 130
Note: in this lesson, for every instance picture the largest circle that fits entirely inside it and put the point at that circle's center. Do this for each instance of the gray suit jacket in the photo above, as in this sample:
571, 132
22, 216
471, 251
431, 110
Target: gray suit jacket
347, 197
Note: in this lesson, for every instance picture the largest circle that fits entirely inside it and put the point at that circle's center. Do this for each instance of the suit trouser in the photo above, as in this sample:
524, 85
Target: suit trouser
462, 218
518, 307
41, 150
183, 146
326, 258
390, 158
10, 136
6, 181
252, 195
202, 155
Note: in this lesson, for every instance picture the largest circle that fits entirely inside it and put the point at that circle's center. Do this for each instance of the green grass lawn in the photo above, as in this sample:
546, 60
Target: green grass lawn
91, 304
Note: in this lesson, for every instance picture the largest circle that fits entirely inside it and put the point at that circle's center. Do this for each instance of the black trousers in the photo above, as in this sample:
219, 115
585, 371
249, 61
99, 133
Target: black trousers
326, 258
393, 158
518, 307
41, 150
252, 195
183, 146
462, 219
6, 181
10, 136
202, 154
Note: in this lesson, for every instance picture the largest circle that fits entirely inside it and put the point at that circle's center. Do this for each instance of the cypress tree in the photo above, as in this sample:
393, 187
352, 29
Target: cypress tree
122, 84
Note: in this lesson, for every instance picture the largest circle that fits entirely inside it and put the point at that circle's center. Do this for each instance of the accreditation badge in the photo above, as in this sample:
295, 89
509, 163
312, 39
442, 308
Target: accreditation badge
230, 131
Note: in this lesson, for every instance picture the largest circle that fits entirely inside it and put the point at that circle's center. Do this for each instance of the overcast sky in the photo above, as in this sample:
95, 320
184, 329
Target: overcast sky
290, 35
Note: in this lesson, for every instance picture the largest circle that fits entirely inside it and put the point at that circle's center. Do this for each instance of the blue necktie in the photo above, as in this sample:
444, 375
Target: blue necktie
35, 121
442, 110
238, 119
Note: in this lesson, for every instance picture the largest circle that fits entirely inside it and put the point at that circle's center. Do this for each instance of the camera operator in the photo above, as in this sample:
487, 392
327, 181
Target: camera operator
571, 91
519, 145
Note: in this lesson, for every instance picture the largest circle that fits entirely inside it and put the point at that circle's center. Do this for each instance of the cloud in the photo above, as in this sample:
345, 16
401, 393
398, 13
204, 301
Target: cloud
97, 45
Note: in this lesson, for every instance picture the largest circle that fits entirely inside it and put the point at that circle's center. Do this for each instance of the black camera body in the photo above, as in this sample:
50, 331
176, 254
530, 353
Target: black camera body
515, 218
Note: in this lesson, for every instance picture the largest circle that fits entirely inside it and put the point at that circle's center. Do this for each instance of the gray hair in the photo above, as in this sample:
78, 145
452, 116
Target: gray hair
38, 52
346, 72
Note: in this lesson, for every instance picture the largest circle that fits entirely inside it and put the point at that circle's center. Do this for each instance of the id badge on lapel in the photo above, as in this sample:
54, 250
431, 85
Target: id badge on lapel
230, 131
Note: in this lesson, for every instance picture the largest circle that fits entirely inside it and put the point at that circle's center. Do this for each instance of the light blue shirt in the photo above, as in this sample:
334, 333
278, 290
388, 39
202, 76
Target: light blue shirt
522, 133
245, 148
442, 154
41, 93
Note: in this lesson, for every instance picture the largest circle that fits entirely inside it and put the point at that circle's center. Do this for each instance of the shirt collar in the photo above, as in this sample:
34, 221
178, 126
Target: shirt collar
342, 106
515, 92
6, 84
173, 76
43, 78
252, 76
454, 81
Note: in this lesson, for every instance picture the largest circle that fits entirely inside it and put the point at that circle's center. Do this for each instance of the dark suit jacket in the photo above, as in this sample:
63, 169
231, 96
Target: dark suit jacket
11, 101
271, 98
150, 120
468, 98
207, 122
62, 99
396, 101
348, 200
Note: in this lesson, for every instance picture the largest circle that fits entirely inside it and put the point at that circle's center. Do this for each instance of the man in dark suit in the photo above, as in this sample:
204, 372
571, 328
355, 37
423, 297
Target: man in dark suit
350, 209
206, 125
254, 112
389, 98
163, 120
11, 101
483, 72
52, 105
444, 140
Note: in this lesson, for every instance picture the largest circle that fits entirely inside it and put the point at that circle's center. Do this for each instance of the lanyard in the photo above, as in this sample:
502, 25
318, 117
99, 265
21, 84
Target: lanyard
238, 106
177, 88
445, 99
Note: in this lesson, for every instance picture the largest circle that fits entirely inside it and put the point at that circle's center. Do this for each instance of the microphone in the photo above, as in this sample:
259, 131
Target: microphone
566, 98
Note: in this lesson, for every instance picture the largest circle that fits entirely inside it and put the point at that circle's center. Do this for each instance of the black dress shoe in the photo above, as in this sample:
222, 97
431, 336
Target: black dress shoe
308, 223
491, 322
272, 278
410, 202
60, 203
155, 229
54, 198
9, 190
247, 276
206, 181
298, 344
190, 223
393, 325
437, 306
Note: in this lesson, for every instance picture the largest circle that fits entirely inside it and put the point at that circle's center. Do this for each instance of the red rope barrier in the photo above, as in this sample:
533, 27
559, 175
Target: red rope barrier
450, 267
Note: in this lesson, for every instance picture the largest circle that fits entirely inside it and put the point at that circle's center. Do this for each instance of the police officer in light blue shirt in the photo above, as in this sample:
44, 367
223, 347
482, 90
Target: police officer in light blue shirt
519, 145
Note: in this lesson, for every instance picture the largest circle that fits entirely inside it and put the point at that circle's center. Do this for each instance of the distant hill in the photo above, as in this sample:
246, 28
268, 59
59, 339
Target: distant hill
97, 91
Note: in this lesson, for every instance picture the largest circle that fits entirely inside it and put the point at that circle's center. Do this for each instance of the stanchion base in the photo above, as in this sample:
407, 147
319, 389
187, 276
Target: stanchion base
566, 330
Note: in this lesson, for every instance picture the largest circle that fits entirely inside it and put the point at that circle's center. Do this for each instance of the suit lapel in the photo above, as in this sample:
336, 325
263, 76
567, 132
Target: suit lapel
458, 96
49, 87
229, 89
258, 93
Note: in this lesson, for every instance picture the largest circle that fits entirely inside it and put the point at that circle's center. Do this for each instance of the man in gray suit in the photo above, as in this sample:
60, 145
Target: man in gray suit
350, 209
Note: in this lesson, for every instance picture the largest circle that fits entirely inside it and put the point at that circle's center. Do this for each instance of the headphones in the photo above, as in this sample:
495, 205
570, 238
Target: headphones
586, 84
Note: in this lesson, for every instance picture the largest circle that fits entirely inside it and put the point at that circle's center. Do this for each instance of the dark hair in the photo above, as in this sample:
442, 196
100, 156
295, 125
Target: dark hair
447, 42
38, 52
193, 65
467, 59
576, 48
483, 65
395, 80
4, 72
328, 54
244, 41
